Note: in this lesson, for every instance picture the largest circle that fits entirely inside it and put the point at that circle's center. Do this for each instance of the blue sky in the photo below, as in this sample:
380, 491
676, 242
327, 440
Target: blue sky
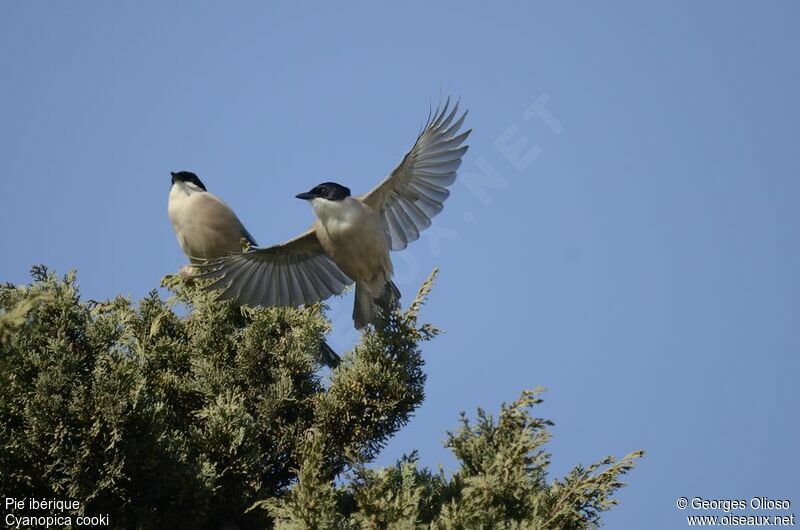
635, 248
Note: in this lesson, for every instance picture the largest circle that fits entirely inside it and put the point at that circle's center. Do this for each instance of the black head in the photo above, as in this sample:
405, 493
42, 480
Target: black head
326, 190
187, 176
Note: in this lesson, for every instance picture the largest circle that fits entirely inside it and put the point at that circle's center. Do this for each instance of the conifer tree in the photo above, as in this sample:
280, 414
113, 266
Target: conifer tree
187, 412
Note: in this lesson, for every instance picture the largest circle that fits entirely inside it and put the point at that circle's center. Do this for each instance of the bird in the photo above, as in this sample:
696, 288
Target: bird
205, 226
356, 233
207, 229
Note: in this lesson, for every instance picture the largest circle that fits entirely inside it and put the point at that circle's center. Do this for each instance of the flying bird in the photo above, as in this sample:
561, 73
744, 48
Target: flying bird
354, 233
208, 229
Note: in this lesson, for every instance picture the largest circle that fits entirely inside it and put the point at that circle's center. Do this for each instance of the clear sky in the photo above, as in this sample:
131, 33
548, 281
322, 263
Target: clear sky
625, 230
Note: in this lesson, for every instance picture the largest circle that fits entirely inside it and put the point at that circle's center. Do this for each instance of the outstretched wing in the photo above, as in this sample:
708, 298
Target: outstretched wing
293, 273
417, 188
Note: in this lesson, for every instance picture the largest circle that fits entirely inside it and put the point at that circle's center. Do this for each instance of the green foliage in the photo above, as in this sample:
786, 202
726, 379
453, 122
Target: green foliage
499, 485
312, 502
215, 416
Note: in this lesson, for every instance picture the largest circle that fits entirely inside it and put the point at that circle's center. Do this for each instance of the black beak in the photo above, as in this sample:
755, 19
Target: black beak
173, 176
307, 196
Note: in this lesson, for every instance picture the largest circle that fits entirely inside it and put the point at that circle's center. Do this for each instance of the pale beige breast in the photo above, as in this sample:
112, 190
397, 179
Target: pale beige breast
207, 228
360, 247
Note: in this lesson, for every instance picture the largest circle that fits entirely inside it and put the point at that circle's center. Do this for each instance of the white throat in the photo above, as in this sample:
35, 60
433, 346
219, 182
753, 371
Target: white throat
348, 210
183, 189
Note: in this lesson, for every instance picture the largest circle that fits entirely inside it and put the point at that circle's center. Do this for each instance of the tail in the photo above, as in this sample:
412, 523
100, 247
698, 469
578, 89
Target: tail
328, 356
368, 310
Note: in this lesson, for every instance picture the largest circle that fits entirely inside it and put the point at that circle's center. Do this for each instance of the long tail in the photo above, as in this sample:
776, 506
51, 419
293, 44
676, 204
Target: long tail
368, 310
328, 356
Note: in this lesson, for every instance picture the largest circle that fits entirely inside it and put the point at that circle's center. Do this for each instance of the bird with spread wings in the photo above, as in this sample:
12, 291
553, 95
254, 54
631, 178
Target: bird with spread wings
311, 267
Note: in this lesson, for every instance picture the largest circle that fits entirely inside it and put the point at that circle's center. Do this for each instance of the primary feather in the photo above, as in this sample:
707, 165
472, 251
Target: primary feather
416, 190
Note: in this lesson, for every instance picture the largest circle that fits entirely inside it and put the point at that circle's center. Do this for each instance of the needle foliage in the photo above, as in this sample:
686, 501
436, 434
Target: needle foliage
187, 412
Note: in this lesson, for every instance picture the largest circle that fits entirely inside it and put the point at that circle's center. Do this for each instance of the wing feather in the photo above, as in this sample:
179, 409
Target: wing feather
293, 273
244, 285
417, 188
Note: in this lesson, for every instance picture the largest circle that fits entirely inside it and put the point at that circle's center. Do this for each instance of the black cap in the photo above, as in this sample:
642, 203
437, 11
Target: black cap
187, 176
327, 190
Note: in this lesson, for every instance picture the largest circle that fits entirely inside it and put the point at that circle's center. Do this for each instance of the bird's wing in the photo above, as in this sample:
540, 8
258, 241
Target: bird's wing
293, 273
417, 188
215, 209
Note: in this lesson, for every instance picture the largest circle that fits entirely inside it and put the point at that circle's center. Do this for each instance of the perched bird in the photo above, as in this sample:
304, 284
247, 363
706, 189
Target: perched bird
208, 229
205, 226
355, 233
